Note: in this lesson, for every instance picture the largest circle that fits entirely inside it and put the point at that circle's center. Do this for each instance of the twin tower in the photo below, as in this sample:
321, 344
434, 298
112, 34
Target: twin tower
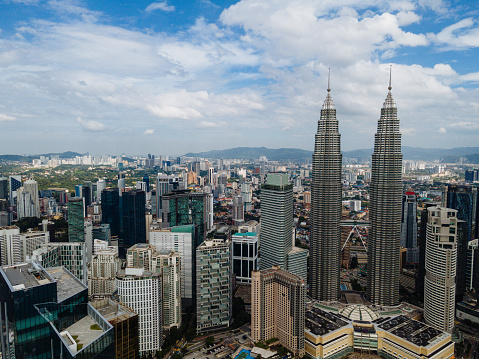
384, 210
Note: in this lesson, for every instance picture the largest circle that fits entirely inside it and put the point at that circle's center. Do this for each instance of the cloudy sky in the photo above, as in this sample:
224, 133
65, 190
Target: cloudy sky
170, 77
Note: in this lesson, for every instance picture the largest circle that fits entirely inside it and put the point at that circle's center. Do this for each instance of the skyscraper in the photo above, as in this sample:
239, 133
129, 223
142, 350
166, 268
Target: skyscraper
441, 256
326, 206
276, 221
409, 226
133, 218
76, 220
15, 183
110, 209
385, 208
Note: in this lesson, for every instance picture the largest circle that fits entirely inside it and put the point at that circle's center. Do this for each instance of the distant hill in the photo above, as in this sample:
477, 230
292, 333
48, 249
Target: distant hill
295, 154
251, 153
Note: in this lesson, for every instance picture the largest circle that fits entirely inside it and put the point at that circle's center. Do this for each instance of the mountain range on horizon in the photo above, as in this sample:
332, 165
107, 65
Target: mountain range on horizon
451, 155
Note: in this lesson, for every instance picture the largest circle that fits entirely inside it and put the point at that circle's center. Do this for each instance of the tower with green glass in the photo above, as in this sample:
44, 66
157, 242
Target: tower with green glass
76, 219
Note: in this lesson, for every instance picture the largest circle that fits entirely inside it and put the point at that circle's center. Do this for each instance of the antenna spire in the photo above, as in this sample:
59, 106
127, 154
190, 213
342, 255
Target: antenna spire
390, 70
329, 80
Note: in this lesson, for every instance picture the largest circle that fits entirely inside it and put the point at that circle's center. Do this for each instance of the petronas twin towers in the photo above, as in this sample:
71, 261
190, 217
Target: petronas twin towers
385, 208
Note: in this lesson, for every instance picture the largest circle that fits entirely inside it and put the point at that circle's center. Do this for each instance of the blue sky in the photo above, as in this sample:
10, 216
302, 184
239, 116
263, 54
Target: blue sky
171, 77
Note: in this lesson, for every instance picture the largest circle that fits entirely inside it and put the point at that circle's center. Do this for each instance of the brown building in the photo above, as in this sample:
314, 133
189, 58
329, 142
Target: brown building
278, 307
125, 324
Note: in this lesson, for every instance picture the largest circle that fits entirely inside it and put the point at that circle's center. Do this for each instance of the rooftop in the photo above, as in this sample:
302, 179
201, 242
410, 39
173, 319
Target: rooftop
113, 311
26, 275
67, 284
85, 331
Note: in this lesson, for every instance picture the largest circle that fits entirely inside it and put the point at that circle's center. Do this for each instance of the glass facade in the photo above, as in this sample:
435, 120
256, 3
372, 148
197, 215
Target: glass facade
76, 215
110, 209
133, 218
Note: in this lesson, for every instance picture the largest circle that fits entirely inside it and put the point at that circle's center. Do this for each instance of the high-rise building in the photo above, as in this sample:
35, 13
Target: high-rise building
385, 209
15, 183
471, 175
71, 255
28, 204
185, 207
76, 219
238, 210
441, 256
276, 221
276, 237
102, 270
3, 188
409, 227
213, 285
140, 290
245, 255
110, 209
46, 309
15, 247
278, 308
325, 242
125, 325
167, 263
100, 187
133, 218
464, 199
166, 184
181, 240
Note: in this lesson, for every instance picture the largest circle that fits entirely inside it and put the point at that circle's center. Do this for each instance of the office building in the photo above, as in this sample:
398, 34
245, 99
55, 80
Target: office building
277, 247
334, 331
464, 199
166, 184
181, 240
441, 257
213, 285
71, 255
125, 326
245, 255
471, 175
100, 187
15, 183
278, 308
325, 242
185, 207
247, 194
102, 270
110, 209
76, 217
3, 188
140, 290
15, 247
409, 227
238, 210
133, 218
28, 204
102, 232
49, 315
385, 209
276, 221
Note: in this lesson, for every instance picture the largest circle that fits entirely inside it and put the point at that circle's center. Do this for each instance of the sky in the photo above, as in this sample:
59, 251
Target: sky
171, 77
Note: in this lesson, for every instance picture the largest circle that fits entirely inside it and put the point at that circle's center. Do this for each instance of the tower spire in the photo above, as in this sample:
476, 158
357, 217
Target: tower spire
390, 70
329, 80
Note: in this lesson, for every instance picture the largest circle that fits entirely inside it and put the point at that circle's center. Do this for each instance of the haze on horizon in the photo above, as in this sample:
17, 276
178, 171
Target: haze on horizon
191, 76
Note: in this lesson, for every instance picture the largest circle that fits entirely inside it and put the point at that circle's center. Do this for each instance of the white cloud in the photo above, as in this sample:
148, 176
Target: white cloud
5, 118
442, 130
462, 34
150, 131
160, 6
91, 125
209, 124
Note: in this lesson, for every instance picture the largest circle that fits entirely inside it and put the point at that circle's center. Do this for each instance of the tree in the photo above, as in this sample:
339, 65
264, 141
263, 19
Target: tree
210, 340
190, 334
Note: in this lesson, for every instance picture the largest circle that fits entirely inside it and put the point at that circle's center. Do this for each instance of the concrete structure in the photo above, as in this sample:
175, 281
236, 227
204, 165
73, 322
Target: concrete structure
15, 182
238, 210
181, 240
245, 255
102, 270
213, 285
278, 308
140, 290
385, 209
28, 204
441, 257
334, 332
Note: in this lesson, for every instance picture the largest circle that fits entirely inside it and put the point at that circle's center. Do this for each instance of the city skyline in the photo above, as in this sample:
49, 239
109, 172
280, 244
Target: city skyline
177, 76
